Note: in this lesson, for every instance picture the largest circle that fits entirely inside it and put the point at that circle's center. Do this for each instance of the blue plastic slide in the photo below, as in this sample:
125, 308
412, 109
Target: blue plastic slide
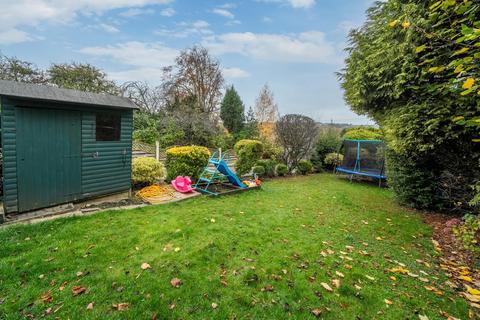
232, 177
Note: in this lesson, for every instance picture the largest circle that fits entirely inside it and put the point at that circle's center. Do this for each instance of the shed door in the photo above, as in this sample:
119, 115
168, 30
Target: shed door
48, 157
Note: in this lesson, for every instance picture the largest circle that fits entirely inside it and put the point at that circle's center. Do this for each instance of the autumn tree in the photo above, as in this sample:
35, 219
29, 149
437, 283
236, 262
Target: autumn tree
149, 99
196, 73
81, 76
266, 113
14, 69
297, 135
232, 111
266, 109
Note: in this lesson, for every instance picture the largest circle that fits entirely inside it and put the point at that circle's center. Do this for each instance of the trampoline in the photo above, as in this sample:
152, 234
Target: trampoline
363, 158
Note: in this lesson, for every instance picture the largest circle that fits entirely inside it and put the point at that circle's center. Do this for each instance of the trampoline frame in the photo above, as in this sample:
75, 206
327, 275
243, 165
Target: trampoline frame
357, 168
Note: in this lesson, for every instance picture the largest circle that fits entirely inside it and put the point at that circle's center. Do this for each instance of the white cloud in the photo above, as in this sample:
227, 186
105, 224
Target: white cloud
108, 28
135, 53
21, 13
12, 36
233, 73
308, 46
186, 29
144, 61
224, 13
267, 19
168, 12
133, 12
302, 3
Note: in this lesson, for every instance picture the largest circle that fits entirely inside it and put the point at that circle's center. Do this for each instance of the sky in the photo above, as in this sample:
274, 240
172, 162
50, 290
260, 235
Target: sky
295, 46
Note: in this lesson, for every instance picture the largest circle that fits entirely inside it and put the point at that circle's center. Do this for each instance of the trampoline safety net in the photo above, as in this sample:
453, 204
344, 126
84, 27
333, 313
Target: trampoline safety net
364, 157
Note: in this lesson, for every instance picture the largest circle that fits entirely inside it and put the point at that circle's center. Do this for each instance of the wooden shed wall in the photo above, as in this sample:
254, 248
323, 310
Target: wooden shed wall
105, 166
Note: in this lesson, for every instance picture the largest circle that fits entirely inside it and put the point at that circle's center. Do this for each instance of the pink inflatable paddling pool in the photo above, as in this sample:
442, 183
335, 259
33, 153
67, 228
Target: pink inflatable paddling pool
182, 184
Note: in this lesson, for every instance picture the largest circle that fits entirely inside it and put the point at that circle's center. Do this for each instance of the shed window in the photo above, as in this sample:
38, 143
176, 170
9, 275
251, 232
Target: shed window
107, 127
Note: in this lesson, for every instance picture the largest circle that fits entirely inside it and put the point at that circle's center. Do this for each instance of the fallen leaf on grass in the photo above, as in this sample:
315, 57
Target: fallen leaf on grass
41, 276
336, 283
330, 251
338, 273
62, 286
399, 270
268, 288
77, 290
465, 278
90, 306
370, 277
316, 312
431, 288
175, 282
471, 297
326, 286
323, 254
389, 302
79, 273
473, 291
145, 266
120, 306
214, 305
422, 317
46, 297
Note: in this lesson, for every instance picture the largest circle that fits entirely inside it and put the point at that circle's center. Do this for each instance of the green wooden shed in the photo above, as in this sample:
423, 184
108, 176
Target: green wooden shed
61, 145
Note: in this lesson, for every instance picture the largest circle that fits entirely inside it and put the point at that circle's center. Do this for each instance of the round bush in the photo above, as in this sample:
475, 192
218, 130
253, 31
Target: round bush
248, 153
146, 171
281, 169
304, 167
269, 166
186, 161
259, 171
333, 159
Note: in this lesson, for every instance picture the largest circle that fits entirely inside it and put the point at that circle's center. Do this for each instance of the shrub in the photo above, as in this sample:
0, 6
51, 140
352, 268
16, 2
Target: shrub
414, 184
333, 159
469, 233
363, 133
304, 167
186, 161
259, 171
281, 169
328, 141
248, 153
146, 171
271, 151
269, 166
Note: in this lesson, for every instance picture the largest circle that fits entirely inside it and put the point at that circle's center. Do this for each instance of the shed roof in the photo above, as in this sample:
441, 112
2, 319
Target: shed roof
49, 93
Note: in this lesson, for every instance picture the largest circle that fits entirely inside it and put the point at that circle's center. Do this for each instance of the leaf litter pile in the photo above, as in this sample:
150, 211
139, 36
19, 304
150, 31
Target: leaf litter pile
315, 256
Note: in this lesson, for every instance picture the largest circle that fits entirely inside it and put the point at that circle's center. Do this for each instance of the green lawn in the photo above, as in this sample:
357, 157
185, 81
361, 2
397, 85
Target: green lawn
259, 254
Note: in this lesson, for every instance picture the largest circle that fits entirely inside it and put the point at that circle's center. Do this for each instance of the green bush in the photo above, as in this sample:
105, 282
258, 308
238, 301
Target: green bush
259, 171
333, 159
271, 151
362, 133
329, 140
281, 169
469, 233
414, 184
304, 167
269, 166
146, 171
248, 153
186, 161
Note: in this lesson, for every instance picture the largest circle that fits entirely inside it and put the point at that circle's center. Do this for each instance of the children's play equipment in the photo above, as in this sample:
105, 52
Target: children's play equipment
363, 158
182, 184
217, 178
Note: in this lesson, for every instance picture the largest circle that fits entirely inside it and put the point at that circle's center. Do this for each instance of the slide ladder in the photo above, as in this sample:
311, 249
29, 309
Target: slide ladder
216, 170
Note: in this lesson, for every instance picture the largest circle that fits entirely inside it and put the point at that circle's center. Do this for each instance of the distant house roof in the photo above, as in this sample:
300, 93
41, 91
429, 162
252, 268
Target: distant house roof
49, 93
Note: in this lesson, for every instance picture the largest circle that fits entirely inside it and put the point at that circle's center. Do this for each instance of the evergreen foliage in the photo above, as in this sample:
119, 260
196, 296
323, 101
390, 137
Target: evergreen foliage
232, 111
